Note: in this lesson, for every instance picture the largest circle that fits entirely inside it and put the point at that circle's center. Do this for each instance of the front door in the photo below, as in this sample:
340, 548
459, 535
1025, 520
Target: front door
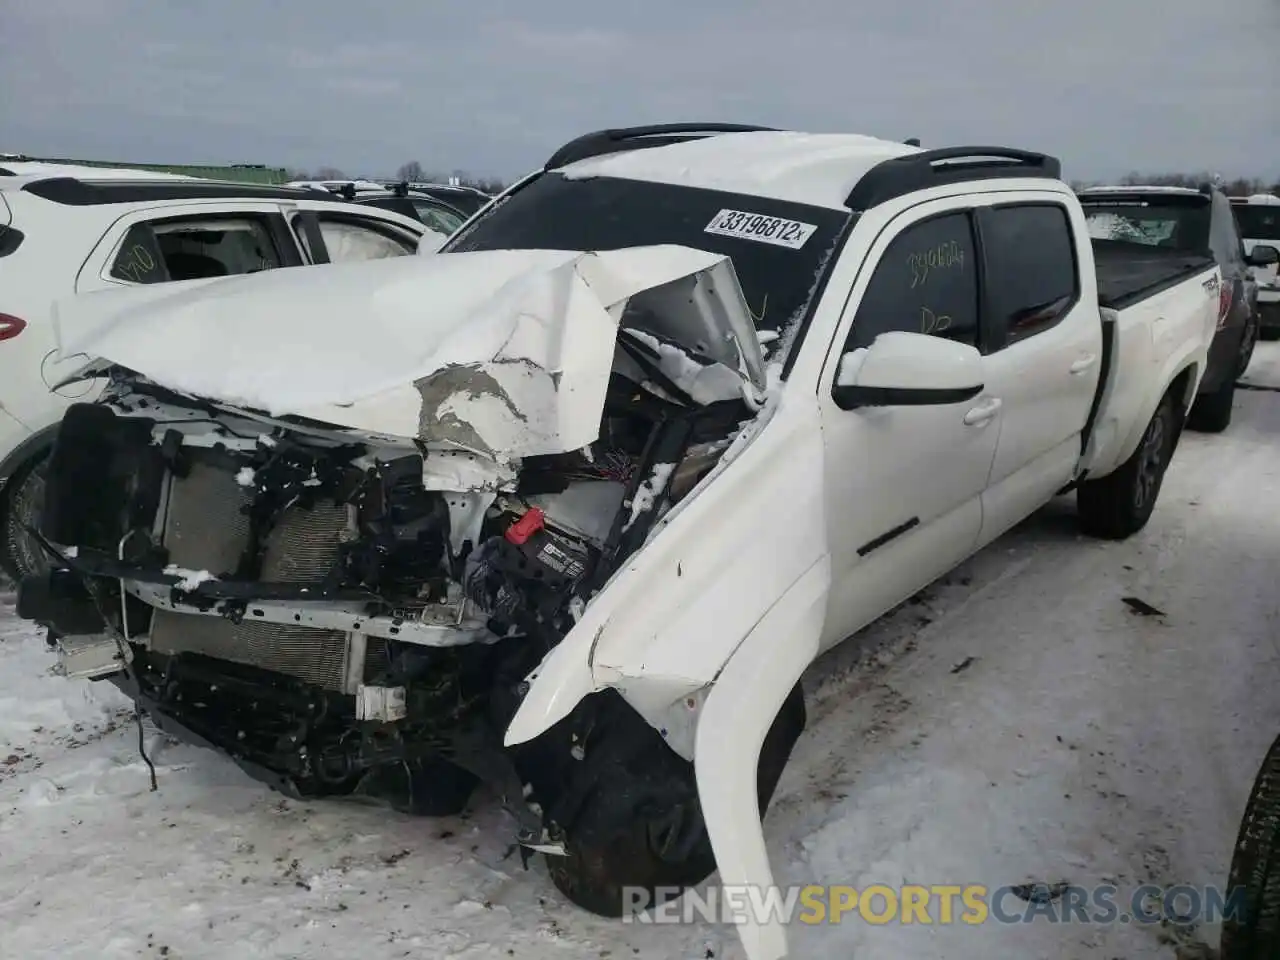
904, 484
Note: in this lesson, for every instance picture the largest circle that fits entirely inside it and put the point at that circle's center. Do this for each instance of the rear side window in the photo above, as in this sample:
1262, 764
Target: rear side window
1031, 272
926, 282
348, 241
160, 251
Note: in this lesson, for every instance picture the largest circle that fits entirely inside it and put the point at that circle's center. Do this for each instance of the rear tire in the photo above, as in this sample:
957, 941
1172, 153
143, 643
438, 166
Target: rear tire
1253, 933
1118, 505
1269, 333
20, 506
1211, 413
594, 875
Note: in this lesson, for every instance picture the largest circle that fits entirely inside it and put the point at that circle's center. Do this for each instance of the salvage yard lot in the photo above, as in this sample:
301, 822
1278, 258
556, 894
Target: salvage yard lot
1016, 722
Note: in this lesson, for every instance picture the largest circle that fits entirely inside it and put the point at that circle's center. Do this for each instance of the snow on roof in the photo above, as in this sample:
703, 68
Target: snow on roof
1258, 199
33, 170
819, 169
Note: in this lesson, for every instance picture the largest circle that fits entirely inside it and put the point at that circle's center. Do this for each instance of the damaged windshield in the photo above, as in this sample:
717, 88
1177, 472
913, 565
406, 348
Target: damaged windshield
779, 249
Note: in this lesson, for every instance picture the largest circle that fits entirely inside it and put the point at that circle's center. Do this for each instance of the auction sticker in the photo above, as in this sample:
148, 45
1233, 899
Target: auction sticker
762, 229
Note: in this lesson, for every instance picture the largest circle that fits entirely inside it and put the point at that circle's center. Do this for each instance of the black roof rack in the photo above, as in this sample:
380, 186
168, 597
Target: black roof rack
602, 142
75, 192
933, 168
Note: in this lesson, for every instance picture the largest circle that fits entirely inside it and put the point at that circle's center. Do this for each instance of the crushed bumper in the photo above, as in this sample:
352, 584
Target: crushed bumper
166, 723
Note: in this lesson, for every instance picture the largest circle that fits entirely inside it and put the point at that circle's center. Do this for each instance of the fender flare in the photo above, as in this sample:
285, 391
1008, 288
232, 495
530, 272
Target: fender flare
761, 672
1152, 404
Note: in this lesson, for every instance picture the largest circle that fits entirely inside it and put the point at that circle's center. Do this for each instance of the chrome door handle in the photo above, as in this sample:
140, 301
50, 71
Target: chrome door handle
1083, 364
984, 412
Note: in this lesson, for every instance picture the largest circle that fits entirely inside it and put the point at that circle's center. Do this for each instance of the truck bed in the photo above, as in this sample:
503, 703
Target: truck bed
1130, 272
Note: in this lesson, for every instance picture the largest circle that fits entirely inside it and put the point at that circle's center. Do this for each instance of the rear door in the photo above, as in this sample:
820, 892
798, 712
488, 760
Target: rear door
189, 241
1044, 340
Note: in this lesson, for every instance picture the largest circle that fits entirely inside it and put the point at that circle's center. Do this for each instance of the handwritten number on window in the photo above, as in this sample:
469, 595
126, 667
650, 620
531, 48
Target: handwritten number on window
944, 256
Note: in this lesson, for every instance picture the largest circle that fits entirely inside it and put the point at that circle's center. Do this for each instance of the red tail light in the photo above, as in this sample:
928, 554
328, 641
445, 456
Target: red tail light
1224, 304
10, 327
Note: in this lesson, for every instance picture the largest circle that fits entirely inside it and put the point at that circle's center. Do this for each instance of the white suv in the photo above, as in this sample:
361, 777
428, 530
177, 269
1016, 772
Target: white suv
66, 231
1258, 222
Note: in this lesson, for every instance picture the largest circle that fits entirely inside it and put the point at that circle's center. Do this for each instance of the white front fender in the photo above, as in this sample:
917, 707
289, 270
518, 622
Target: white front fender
560, 682
731, 730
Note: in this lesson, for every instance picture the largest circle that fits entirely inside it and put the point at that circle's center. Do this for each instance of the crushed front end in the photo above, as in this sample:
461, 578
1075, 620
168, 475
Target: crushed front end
348, 615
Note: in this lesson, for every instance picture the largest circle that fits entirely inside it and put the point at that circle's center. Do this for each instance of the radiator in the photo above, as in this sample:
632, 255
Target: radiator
205, 530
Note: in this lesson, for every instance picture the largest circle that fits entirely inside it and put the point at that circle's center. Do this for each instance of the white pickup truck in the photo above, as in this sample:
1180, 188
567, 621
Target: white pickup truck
569, 506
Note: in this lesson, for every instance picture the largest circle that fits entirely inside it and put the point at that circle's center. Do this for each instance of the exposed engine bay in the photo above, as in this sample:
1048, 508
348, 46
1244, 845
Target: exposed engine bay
345, 614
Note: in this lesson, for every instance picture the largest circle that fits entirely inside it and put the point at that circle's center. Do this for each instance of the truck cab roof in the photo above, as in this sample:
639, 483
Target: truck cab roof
836, 171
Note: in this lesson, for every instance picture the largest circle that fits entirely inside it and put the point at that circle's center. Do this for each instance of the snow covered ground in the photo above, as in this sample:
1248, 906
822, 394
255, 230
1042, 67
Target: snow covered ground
1016, 723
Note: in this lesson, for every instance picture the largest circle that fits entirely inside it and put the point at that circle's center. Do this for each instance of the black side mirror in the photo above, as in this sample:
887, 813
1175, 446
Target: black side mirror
1263, 255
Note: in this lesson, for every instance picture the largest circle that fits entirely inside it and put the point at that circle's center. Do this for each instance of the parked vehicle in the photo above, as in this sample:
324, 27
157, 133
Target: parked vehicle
577, 530
62, 233
439, 216
1258, 222
465, 200
468, 200
1179, 218
1253, 933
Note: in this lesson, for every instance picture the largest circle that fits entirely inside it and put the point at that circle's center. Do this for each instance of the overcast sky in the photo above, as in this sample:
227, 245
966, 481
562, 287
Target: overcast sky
495, 85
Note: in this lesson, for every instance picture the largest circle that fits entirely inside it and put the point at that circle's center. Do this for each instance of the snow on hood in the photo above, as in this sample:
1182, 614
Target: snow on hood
506, 352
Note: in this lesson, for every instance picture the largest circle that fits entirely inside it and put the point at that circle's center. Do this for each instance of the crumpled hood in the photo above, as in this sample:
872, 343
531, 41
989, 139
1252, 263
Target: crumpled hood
506, 352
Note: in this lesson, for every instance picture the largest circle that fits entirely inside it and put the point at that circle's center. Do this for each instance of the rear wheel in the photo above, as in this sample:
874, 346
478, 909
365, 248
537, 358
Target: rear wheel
1211, 413
1253, 932
1120, 504
666, 845
20, 506
1269, 333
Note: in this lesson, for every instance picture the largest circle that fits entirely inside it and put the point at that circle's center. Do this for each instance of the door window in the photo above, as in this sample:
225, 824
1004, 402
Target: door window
438, 218
926, 282
1031, 272
163, 250
347, 241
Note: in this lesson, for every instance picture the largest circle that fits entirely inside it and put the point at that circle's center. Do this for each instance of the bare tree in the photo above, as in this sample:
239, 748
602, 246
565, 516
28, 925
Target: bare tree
411, 171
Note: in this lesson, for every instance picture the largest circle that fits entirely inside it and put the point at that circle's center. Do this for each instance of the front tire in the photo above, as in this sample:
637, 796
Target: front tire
667, 848
1253, 933
20, 506
1118, 505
